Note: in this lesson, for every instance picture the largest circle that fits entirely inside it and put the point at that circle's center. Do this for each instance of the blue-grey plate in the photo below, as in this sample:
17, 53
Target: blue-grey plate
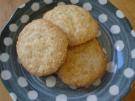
116, 37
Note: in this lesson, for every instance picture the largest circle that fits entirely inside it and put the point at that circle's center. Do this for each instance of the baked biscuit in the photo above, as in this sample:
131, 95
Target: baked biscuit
76, 22
42, 47
84, 64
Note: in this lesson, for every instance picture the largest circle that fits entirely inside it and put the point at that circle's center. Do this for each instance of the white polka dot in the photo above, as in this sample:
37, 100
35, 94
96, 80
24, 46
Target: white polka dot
92, 98
48, 1
133, 33
6, 75
87, 6
61, 97
22, 6
97, 82
129, 72
33, 95
114, 90
119, 14
4, 57
35, 6
133, 54
13, 96
102, 2
13, 27
119, 45
115, 29
22, 82
24, 19
103, 18
74, 1
8, 41
61, 3
111, 67
50, 81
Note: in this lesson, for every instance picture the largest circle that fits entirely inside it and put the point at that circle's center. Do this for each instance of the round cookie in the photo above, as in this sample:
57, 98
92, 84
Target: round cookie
78, 24
42, 47
84, 64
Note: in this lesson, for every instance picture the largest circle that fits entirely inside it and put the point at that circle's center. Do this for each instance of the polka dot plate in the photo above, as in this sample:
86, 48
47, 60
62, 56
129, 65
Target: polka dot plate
116, 37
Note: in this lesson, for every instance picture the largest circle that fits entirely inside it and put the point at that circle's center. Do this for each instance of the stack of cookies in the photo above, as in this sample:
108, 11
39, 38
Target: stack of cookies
63, 42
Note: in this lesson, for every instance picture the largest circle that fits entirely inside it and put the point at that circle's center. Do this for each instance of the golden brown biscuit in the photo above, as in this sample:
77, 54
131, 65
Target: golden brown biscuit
78, 24
42, 47
84, 64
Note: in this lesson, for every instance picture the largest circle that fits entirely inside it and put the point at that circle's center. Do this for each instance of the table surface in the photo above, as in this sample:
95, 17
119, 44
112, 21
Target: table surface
8, 6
